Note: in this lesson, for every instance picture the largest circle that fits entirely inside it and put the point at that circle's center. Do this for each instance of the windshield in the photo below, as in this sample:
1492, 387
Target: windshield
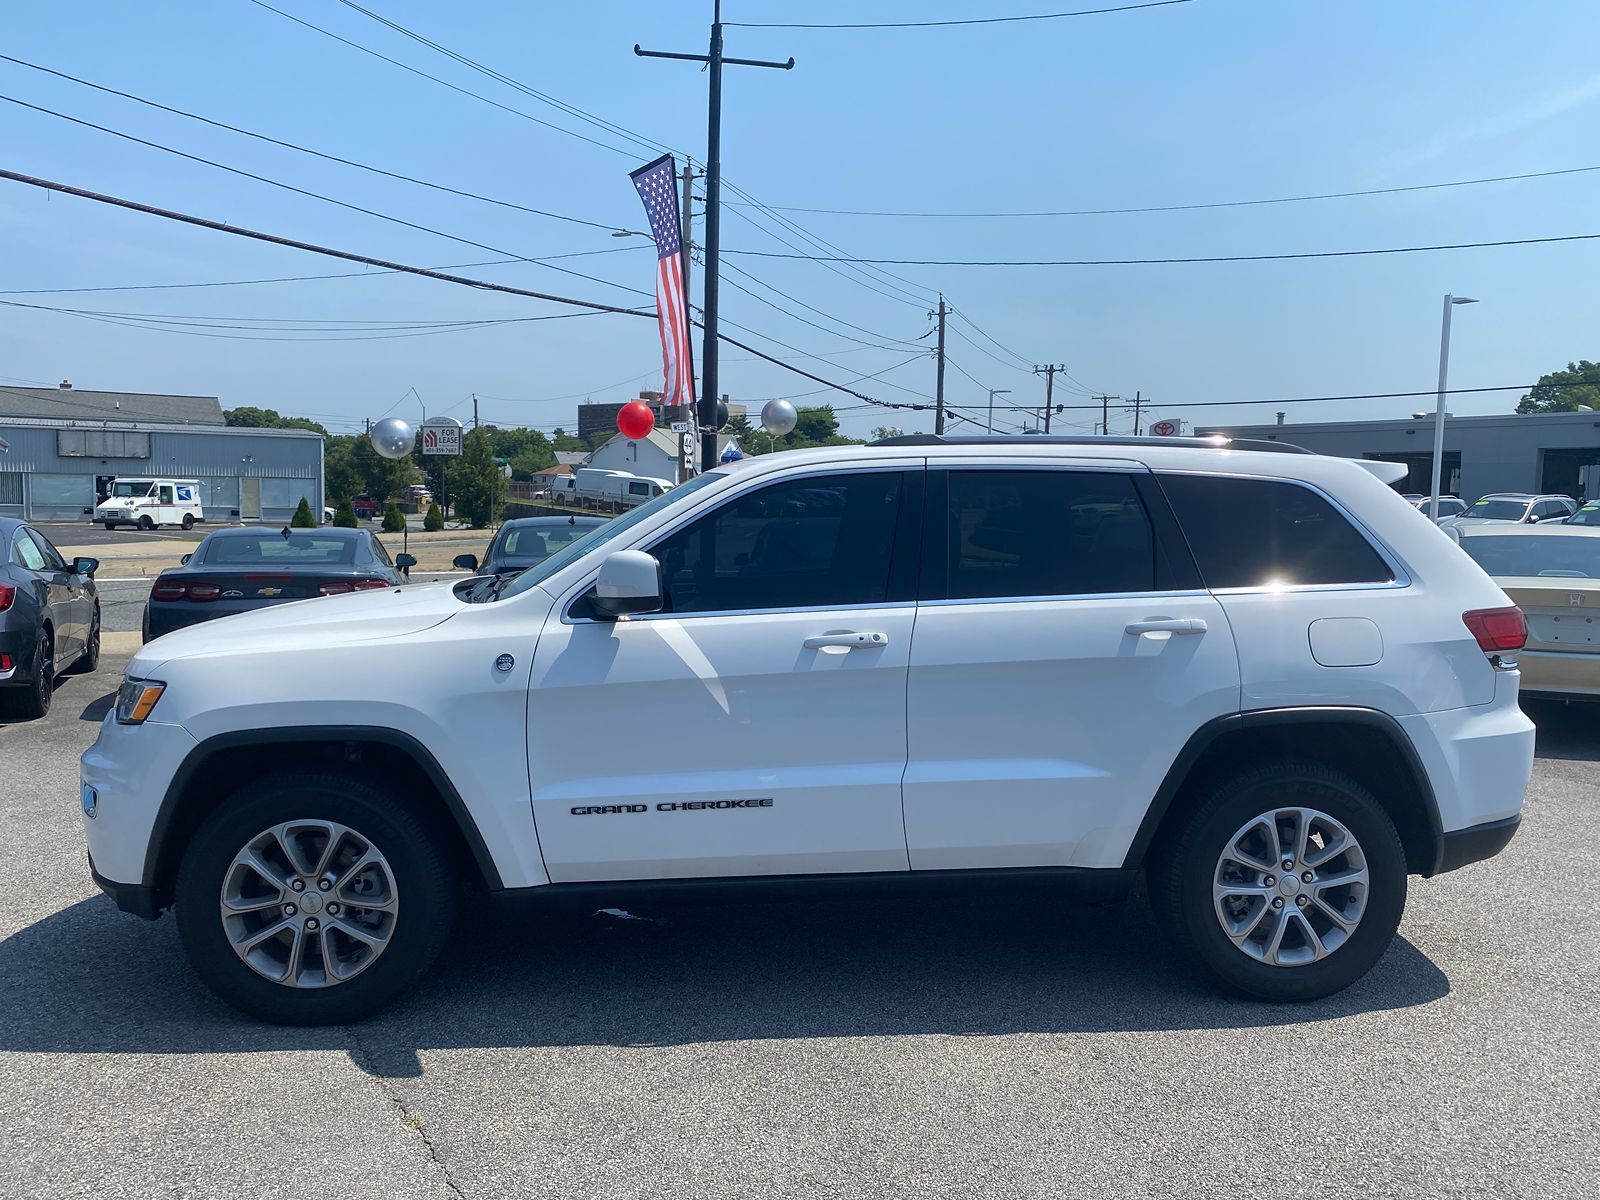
275, 550
1553, 555
1493, 509
598, 537
133, 488
1589, 514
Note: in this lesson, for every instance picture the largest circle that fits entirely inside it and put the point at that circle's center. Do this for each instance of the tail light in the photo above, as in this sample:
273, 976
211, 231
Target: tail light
168, 590
5, 662
7, 595
1497, 629
204, 591
369, 585
333, 589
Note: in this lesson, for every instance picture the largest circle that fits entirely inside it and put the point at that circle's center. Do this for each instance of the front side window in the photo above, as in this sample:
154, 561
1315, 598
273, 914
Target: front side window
821, 542
52, 556
1263, 533
1018, 533
166, 493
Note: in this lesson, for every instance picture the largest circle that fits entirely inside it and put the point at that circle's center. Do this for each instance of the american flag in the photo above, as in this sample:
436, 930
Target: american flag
658, 188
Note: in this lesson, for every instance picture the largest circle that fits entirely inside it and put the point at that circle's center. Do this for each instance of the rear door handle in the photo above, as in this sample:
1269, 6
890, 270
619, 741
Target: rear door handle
1178, 625
846, 641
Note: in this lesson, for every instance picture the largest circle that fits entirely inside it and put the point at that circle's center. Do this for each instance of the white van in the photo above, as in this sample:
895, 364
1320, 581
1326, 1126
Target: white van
148, 503
595, 484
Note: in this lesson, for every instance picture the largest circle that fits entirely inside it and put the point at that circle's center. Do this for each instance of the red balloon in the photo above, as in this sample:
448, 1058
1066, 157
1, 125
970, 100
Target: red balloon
635, 420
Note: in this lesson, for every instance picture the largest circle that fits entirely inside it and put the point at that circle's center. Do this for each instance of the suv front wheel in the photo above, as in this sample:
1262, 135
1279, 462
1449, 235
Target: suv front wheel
1284, 883
313, 899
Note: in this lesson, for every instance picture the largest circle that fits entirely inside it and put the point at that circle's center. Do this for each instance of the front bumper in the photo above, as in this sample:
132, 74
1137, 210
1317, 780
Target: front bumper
130, 768
133, 898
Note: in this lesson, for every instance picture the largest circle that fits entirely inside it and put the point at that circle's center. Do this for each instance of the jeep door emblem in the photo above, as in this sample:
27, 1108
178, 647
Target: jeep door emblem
504, 663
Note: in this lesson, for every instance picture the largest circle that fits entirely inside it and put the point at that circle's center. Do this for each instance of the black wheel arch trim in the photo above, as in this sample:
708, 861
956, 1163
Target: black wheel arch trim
1264, 718
297, 734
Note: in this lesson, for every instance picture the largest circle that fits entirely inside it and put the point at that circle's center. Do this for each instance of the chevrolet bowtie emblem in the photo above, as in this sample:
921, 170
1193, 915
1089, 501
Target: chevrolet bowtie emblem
269, 591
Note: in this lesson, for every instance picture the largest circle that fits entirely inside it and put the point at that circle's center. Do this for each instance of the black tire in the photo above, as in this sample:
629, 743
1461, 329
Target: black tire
188, 520
392, 823
32, 700
1183, 871
90, 661
110, 526
144, 626
146, 524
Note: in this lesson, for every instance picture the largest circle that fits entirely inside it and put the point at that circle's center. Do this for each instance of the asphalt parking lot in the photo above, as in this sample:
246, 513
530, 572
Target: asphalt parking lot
991, 1047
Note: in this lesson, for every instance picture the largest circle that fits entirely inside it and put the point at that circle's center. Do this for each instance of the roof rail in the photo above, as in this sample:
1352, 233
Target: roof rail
1215, 442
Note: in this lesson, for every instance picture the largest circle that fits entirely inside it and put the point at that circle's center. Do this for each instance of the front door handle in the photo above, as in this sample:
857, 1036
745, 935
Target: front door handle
846, 641
1178, 625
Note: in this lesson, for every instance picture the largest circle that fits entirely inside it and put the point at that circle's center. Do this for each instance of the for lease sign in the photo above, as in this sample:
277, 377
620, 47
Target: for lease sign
441, 439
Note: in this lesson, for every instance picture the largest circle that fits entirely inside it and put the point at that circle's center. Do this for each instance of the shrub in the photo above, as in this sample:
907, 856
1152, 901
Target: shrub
393, 519
434, 521
345, 515
302, 518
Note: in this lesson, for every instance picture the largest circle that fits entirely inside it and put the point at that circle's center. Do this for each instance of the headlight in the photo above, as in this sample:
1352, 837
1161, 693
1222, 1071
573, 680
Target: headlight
136, 698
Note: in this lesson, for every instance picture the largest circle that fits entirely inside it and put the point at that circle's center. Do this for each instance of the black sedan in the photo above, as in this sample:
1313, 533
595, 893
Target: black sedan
241, 570
49, 618
526, 542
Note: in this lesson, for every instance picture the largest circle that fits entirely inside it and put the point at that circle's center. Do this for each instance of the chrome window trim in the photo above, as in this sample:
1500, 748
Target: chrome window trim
1176, 594
1402, 577
568, 619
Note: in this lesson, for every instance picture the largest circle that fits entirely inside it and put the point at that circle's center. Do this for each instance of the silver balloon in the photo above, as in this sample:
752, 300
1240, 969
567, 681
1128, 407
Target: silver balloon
393, 437
778, 417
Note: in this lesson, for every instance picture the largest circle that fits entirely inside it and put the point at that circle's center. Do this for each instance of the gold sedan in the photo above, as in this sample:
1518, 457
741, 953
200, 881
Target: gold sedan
1551, 572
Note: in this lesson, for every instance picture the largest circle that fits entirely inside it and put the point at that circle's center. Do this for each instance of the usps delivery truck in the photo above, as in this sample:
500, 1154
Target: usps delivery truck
149, 503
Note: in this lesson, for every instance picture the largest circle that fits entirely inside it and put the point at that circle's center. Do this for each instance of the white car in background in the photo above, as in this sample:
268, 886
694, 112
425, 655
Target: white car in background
1249, 676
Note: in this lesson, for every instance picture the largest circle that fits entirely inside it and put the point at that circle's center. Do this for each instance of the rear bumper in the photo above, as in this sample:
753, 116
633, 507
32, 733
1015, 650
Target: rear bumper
20, 645
1463, 846
1559, 673
133, 898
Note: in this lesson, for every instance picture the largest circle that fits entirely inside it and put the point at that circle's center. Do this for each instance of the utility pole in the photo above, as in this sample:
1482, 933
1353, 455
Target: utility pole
1049, 372
938, 385
1105, 413
714, 61
474, 410
1138, 402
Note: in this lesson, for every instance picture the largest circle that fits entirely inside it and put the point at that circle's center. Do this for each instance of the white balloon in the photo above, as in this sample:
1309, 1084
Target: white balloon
778, 417
393, 437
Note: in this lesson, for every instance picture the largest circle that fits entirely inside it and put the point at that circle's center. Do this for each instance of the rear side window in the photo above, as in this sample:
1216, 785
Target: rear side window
26, 552
1018, 532
1250, 533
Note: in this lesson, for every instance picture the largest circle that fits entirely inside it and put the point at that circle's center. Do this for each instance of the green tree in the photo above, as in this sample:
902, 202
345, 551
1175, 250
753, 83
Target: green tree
345, 515
434, 521
1575, 389
479, 485
302, 518
887, 431
268, 418
568, 444
393, 519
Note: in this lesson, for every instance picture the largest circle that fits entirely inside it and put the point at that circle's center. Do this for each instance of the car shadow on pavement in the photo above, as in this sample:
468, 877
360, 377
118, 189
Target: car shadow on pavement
97, 709
90, 980
1566, 730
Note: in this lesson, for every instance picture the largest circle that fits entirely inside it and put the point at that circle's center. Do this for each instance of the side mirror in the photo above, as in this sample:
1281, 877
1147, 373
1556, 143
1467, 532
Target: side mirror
629, 583
184, 561
1534, 520
405, 562
466, 562
86, 566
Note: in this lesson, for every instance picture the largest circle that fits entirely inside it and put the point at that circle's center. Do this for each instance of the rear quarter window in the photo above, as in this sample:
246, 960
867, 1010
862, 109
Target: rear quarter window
1257, 533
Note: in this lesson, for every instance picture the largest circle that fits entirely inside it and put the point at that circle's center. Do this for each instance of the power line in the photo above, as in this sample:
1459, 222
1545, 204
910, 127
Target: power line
1210, 258
1050, 16
809, 308
1160, 208
1518, 387
152, 287
289, 187
348, 162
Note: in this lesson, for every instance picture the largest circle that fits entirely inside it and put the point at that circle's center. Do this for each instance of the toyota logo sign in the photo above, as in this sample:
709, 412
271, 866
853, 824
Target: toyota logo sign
1164, 428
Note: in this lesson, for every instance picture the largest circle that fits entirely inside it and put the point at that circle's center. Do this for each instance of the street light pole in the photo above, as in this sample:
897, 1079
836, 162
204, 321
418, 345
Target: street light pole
1438, 416
993, 392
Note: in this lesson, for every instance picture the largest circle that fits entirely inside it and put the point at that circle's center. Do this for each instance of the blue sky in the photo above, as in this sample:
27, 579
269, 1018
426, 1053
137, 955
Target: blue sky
1208, 101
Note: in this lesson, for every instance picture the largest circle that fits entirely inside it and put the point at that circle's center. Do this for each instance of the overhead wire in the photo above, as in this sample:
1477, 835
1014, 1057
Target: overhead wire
1049, 16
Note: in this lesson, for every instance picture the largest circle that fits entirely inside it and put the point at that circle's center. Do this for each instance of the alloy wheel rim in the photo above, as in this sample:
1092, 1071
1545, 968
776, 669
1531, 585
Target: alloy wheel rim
1290, 886
309, 904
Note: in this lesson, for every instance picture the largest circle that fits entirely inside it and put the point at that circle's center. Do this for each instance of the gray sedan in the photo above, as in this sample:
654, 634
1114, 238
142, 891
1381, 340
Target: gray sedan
49, 618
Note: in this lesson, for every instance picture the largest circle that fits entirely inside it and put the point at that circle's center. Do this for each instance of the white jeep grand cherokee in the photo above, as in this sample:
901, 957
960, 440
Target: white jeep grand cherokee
1259, 677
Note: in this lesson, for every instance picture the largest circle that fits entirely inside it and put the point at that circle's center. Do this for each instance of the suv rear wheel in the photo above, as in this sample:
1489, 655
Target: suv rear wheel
1284, 883
313, 899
